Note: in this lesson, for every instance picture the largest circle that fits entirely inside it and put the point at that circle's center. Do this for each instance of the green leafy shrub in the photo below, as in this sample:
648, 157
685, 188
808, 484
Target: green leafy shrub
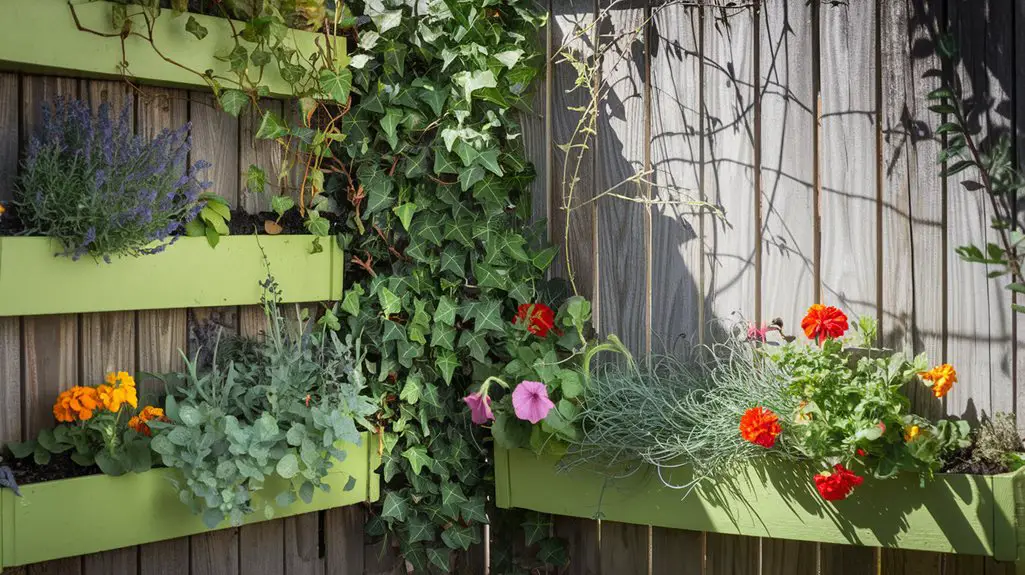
285, 405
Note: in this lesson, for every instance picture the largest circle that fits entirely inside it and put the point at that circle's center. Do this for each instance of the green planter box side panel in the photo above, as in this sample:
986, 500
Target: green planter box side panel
70, 51
975, 515
85, 515
188, 274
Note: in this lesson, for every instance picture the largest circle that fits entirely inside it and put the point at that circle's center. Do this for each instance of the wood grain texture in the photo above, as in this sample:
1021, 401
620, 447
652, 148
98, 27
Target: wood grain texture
262, 547
69, 566
847, 560
786, 70
676, 157
581, 536
164, 558
264, 154
303, 555
622, 158
899, 562
731, 555
536, 126
728, 102
343, 540
624, 548
573, 218
788, 558
10, 107
381, 559
979, 319
677, 552
116, 562
215, 138
849, 158
215, 553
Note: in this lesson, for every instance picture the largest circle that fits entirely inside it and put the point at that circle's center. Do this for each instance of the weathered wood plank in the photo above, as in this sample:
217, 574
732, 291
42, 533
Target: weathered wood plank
789, 557
622, 158
731, 555
10, 107
302, 545
979, 319
787, 161
677, 552
215, 553
582, 548
536, 124
900, 562
10, 327
624, 548
849, 158
676, 159
264, 154
848, 560
729, 178
573, 217
380, 558
49, 343
215, 138
343, 540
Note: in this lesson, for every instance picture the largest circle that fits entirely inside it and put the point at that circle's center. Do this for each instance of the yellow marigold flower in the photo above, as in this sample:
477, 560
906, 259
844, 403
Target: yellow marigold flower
114, 397
76, 403
148, 413
2, 209
941, 378
910, 433
120, 378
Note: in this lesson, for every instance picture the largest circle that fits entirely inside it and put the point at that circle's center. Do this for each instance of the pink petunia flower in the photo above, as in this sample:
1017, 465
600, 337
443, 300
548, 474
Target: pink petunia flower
755, 333
530, 401
480, 408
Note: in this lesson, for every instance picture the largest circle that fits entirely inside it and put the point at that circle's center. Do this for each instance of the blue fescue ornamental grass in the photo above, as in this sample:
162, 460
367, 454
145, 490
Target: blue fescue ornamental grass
101, 190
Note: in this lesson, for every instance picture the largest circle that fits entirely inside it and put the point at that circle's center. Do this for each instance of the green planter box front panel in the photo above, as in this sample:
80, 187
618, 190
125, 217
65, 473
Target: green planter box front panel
97, 513
975, 515
41, 35
188, 274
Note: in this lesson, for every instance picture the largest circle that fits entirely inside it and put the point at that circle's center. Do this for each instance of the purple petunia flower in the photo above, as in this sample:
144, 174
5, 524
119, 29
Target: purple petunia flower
530, 401
480, 408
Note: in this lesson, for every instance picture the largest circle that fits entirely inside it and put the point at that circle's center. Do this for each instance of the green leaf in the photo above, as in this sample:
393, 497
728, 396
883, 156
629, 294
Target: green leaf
958, 167
336, 84
192, 26
281, 204
238, 58
256, 179
288, 466
468, 177
458, 537
476, 343
411, 390
474, 511
488, 316
271, 127
489, 159
510, 432
391, 304
446, 361
443, 164
509, 58
420, 529
405, 214
350, 302
395, 507
536, 528
470, 82
233, 101
452, 496
390, 123
445, 311
417, 458
439, 558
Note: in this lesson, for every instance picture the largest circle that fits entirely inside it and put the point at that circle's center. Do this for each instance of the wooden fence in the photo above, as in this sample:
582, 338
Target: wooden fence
806, 122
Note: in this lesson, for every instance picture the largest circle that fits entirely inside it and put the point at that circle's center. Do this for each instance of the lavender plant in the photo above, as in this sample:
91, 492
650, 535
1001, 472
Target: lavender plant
101, 190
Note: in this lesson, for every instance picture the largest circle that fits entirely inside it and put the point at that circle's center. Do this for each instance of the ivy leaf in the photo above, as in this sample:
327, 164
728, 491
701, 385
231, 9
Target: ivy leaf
395, 507
390, 123
336, 84
536, 528
487, 316
420, 529
470, 82
474, 510
272, 127
470, 176
411, 390
391, 304
378, 187
233, 101
509, 58
409, 351
453, 260
452, 497
490, 277
460, 231
446, 361
350, 302
385, 20
489, 159
238, 58
445, 311
192, 26
543, 258
435, 98
491, 189
256, 179
458, 537
443, 336
439, 557
405, 213
443, 164
476, 343
417, 458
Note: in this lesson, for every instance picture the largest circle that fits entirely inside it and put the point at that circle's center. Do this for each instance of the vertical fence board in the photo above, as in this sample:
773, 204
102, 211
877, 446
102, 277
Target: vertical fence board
621, 157
731, 555
581, 537
215, 553
676, 157
343, 540
10, 327
302, 545
788, 558
787, 162
979, 345
728, 102
677, 552
624, 548
847, 560
899, 562
573, 218
264, 154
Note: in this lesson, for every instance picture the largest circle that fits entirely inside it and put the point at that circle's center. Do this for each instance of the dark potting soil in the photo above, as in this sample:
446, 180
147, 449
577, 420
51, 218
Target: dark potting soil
961, 462
26, 471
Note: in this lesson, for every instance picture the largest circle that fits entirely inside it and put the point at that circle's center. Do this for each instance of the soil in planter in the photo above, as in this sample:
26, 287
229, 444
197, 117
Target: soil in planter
26, 471
241, 224
962, 462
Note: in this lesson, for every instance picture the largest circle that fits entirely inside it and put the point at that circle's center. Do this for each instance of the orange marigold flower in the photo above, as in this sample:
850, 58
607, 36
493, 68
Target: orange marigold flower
911, 432
941, 378
822, 322
148, 413
760, 426
77, 403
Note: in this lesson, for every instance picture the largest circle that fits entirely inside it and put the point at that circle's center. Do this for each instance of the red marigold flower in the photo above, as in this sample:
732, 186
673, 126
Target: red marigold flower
838, 484
823, 322
539, 317
760, 426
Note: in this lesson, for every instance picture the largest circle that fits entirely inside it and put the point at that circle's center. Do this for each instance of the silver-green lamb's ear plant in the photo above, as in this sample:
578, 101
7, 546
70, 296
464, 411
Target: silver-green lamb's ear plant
668, 411
284, 405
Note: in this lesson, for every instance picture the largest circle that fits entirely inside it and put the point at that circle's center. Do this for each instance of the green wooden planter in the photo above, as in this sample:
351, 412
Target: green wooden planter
97, 513
975, 515
188, 274
41, 36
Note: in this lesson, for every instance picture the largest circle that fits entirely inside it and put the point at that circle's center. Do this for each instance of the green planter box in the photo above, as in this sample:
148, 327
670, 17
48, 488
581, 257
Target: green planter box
97, 513
69, 51
188, 274
975, 515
